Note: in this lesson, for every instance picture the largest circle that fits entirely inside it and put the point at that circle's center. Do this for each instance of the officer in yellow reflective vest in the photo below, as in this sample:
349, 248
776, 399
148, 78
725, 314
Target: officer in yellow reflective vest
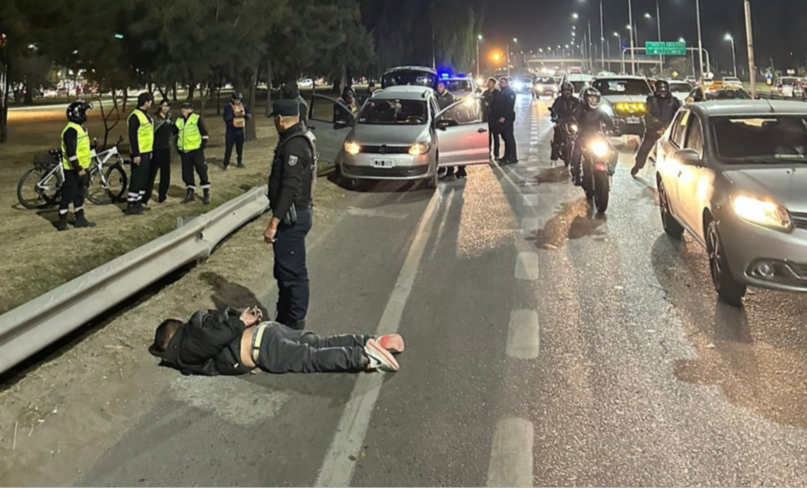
191, 142
76, 159
141, 140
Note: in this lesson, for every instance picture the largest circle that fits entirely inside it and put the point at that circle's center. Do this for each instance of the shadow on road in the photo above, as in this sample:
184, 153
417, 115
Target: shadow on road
229, 294
574, 220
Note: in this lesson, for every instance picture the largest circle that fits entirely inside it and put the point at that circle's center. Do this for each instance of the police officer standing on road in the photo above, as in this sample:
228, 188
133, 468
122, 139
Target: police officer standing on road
191, 142
235, 117
76, 158
661, 109
491, 100
507, 119
161, 157
141, 140
291, 192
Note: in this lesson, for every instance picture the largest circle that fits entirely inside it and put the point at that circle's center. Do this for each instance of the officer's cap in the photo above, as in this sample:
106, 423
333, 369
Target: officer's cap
285, 108
187, 106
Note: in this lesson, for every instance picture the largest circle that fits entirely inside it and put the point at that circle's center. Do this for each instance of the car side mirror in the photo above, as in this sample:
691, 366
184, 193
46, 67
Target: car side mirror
444, 124
688, 157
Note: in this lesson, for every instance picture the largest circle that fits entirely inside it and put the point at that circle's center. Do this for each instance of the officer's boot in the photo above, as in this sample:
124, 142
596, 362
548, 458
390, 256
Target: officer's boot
62, 223
189, 196
81, 220
206, 197
134, 208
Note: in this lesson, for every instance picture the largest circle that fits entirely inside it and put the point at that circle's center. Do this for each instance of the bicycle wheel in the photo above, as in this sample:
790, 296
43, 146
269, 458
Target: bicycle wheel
38, 188
96, 190
117, 182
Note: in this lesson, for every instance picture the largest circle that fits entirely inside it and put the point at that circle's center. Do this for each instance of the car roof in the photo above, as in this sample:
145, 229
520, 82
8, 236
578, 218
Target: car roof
578, 77
718, 108
418, 68
409, 92
620, 77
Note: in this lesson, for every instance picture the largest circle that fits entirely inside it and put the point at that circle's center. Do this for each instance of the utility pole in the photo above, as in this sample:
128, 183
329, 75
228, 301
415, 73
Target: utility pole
590, 50
752, 68
602, 37
700, 37
660, 56
632, 46
478, 39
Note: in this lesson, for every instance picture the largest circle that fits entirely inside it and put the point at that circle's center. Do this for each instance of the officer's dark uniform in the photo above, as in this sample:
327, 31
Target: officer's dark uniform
659, 115
76, 158
141, 140
491, 99
562, 111
507, 110
161, 157
291, 186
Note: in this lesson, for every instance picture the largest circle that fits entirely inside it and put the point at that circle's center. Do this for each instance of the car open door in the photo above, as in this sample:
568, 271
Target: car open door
462, 135
331, 122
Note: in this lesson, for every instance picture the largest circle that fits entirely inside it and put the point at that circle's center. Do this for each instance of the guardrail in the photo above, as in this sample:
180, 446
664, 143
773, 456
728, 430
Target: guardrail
33, 326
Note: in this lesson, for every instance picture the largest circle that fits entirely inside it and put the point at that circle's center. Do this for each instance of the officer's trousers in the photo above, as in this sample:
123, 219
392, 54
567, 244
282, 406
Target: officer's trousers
74, 189
194, 161
508, 133
494, 139
139, 179
233, 137
160, 162
290, 269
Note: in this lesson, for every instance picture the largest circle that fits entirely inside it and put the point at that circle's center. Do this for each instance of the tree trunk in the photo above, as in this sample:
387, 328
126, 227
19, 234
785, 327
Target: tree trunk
268, 87
218, 98
343, 79
29, 95
4, 107
251, 133
174, 92
202, 93
163, 93
191, 89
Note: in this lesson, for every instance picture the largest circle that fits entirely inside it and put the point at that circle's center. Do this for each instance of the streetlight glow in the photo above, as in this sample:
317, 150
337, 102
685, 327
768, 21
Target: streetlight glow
647, 15
575, 16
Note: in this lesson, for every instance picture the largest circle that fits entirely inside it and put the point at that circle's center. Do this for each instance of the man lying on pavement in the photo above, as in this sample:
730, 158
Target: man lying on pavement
233, 342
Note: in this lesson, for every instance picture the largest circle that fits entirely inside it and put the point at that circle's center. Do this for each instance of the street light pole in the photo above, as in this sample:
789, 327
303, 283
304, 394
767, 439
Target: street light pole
700, 37
733, 52
632, 46
590, 46
621, 55
658, 18
752, 68
478, 39
602, 37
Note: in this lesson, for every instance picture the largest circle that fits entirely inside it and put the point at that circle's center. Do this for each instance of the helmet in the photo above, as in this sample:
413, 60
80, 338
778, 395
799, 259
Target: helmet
592, 97
348, 93
663, 88
77, 111
237, 96
567, 89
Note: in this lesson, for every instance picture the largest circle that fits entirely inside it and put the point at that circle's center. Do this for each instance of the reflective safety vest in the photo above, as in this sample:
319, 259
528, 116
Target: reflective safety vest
145, 133
239, 121
189, 137
83, 151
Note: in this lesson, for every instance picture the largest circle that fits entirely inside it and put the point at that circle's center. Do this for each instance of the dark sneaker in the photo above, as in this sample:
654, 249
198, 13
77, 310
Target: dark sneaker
134, 209
61, 225
206, 198
380, 358
189, 196
240, 165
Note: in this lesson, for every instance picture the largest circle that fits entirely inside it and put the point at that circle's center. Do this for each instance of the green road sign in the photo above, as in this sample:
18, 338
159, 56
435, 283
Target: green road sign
666, 48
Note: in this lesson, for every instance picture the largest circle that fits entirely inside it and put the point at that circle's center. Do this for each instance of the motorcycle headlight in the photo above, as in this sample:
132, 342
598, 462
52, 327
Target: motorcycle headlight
352, 148
608, 109
419, 148
599, 148
762, 212
573, 128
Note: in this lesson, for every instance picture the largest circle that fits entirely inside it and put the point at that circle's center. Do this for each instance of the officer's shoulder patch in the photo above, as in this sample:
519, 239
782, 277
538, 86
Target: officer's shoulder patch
292, 160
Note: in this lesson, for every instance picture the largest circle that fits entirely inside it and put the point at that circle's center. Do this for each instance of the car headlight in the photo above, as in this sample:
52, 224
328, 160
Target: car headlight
608, 109
762, 212
518, 86
419, 148
539, 87
599, 148
352, 148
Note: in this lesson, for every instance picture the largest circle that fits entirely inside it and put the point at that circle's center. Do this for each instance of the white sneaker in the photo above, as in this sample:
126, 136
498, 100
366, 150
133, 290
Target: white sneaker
380, 358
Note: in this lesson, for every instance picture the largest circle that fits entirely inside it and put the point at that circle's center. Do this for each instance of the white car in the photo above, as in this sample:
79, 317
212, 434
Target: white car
624, 98
680, 89
306, 83
460, 87
732, 81
578, 81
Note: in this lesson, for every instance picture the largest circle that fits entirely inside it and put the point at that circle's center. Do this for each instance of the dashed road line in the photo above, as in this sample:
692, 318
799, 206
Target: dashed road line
530, 200
527, 266
511, 455
523, 335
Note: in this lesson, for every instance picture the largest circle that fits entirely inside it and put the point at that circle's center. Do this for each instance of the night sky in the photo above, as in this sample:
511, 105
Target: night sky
780, 26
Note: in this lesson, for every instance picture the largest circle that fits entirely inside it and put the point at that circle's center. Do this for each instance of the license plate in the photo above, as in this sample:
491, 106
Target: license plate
383, 163
633, 120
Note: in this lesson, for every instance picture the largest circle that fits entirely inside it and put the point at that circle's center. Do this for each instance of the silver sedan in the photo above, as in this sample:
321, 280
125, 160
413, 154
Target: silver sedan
734, 175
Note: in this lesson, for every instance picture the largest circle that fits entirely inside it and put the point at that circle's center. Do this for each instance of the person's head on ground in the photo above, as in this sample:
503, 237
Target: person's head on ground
144, 101
290, 90
163, 335
237, 98
441, 88
504, 82
186, 109
165, 107
286, 114
371, 87
492, 83
77, 111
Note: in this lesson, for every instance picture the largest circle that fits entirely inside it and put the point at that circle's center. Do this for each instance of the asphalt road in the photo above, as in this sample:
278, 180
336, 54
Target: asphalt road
545, 346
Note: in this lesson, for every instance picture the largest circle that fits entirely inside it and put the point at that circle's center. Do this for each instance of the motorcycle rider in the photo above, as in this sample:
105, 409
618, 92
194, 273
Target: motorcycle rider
562, 112
661, 108
590, 121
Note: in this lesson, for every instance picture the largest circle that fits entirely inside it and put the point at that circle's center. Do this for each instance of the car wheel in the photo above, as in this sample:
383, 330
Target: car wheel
671, 226
730, 290
434, 179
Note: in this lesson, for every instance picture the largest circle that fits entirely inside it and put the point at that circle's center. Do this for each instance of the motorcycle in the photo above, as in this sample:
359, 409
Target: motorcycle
598, 164
568, 132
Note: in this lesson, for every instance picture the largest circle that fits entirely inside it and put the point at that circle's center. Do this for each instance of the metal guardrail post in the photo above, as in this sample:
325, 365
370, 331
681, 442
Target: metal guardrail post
33, 326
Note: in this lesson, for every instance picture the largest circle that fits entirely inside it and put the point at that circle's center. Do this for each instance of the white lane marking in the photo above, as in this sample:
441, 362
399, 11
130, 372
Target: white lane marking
529, 224
527, 266
523, 335
530, 200
337, 468
236, 401
511, 455
366, 212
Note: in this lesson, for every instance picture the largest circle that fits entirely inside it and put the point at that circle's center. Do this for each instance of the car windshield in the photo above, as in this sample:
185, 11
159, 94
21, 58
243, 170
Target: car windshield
789, 81
545, 81
727, 95
680, 87
780, 138
578, 85
458, 85
622, 87
393, 112
409, 77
